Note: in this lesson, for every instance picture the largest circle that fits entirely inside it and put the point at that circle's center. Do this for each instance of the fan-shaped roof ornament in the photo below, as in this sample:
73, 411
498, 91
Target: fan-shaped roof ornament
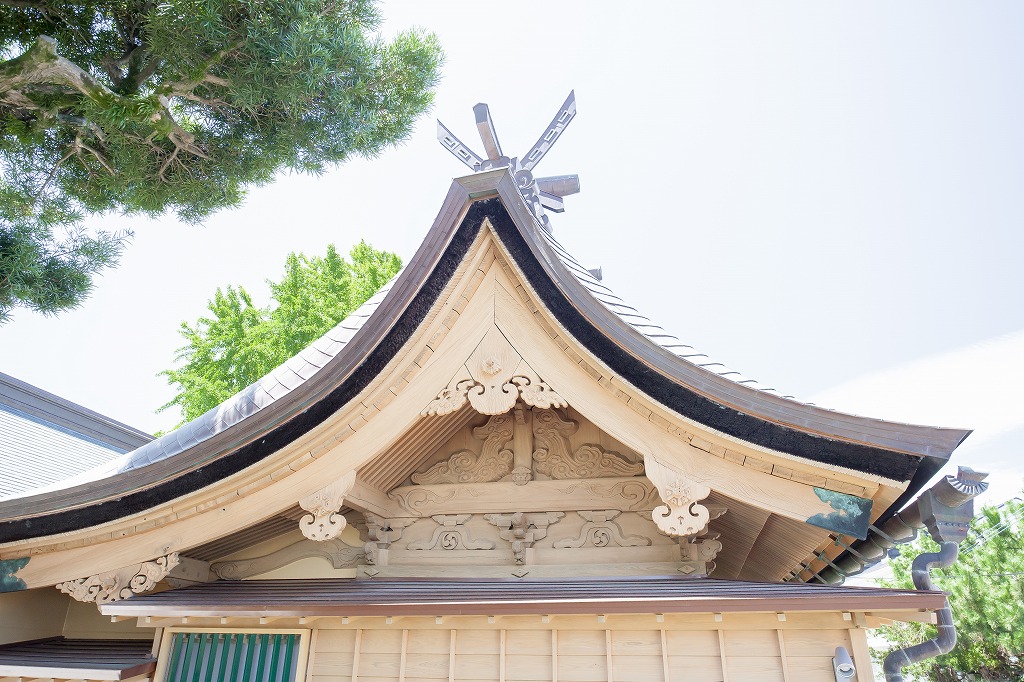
539, 193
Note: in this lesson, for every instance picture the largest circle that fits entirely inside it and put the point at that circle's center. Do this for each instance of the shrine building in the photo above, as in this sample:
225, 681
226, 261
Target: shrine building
494, 470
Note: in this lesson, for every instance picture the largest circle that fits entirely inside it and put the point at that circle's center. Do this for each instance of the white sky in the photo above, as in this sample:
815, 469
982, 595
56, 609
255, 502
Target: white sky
824, 196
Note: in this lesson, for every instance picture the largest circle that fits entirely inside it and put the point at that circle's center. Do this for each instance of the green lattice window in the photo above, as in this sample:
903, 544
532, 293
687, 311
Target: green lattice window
236, 656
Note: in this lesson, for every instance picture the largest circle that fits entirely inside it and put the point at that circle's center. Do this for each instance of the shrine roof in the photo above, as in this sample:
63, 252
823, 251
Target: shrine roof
432, 597
307, 389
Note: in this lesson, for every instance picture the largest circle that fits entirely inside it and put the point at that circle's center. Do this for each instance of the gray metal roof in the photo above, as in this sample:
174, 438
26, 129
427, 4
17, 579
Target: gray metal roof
235, 409
45, 438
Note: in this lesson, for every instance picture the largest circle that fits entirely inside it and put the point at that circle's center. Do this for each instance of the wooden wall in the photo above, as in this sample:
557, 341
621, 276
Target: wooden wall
581, 649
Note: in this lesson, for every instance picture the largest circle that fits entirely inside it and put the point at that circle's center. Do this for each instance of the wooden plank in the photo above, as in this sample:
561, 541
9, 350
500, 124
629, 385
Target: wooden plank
696, 668
782, 655
742, 643
528, 642
666, 675
583, 668
725, 661
815, 642
432, 666
342, 641
817, 669
861, 655
608, 655
528, 667
693, 643
760, 668
355, 655
451, 657
554, 656
423, 641
405, 650
636, 642
581, 642
501, 658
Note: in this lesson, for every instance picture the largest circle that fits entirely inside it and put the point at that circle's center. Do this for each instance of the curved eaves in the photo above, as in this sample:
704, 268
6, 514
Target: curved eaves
874, 446
238, 435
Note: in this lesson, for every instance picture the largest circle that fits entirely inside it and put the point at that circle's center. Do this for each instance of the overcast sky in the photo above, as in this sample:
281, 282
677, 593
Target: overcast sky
826, 197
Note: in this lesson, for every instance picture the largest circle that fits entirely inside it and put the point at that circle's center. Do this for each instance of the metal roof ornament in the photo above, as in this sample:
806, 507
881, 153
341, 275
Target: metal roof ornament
539, 193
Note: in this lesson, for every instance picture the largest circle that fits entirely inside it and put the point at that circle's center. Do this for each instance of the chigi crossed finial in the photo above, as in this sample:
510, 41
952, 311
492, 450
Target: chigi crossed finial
539, 193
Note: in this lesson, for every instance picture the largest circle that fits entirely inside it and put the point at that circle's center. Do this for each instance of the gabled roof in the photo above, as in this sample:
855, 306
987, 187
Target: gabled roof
47, 438
307, 390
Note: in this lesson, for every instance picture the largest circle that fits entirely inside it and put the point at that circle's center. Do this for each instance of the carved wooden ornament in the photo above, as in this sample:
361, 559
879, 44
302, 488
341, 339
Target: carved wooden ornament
337, 552
464, 466
122, 583
323, 521
681, 515
493, 378
553, 456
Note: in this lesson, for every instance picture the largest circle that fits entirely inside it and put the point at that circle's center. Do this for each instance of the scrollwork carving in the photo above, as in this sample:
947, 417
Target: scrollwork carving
122, 583
465, 466
451, 535
323, 522
553, 457
601, 531
681, 515
493, 378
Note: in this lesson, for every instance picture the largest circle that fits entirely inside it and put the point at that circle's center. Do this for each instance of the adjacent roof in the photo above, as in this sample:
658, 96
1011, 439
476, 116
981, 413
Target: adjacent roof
47, 438
362, 597
308, 389
92, 659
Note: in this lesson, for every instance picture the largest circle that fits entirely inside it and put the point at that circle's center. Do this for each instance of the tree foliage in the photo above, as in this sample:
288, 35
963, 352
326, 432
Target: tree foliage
239, 342
986, 587
137, 106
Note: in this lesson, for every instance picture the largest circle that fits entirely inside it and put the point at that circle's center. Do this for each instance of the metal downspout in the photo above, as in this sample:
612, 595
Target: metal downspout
897, 660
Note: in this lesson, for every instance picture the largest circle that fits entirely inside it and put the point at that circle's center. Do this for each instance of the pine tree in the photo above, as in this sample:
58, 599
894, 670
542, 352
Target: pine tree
238, 342
136, 106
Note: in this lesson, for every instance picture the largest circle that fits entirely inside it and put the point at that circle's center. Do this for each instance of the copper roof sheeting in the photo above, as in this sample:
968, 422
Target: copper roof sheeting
89, 659
361, 597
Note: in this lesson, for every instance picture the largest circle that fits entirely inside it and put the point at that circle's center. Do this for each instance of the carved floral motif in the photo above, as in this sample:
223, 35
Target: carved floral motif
122, 583
601, 531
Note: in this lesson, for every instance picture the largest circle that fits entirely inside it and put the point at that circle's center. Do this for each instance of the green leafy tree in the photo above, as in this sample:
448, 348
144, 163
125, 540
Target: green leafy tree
137, 106
240, 342
986, 587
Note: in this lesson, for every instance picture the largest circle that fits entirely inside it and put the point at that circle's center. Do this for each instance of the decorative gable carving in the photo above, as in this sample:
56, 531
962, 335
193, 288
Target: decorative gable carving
553, 458
681, 515
323, 521
451, 535
494, 377
465, 466
122, 583
523, 530
601, 531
